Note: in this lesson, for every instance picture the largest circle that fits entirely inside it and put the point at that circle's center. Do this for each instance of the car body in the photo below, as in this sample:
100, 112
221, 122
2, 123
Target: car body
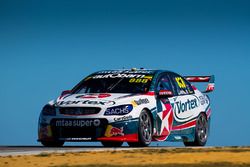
134, 106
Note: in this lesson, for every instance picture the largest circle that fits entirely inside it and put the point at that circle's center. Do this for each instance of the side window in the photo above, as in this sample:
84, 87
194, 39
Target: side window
181, 85
164, 83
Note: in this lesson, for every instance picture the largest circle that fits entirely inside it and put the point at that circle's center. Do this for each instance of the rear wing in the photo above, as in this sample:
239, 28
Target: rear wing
209, 79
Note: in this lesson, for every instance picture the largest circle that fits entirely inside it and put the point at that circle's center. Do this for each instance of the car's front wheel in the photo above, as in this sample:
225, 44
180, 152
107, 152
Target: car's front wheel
201, 132
52, 143
145, 130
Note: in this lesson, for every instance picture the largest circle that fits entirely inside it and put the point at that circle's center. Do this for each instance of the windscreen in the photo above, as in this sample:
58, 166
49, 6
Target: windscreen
115, 83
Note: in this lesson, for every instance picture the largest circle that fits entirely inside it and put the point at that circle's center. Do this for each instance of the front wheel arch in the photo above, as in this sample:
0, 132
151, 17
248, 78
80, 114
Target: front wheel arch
151, 116
141, 140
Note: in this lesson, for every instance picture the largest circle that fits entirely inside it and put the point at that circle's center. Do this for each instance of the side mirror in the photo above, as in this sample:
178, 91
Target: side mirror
65, 92
165, 93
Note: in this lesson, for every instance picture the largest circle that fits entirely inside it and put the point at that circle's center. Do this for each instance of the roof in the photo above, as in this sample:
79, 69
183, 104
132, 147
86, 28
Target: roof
131, 71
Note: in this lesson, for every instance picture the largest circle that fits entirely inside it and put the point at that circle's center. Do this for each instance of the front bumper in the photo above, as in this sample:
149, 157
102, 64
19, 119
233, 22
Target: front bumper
94, 129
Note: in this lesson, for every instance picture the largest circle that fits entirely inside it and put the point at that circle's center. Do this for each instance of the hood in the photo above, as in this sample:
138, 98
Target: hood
90, 100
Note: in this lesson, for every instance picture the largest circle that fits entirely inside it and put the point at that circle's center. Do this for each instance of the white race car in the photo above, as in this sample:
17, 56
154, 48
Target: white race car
133, 106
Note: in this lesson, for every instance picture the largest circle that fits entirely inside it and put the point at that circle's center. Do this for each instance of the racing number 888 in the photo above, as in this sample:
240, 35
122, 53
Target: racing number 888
138, 80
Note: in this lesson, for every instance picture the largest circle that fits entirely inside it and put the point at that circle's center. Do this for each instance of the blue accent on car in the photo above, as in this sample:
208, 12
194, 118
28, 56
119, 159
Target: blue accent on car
119, 110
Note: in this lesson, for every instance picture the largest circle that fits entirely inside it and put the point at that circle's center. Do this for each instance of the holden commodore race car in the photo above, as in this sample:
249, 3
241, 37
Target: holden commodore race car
133, 106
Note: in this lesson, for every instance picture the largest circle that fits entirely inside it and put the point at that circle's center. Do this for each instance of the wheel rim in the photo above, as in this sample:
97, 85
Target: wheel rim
202, 129
146, 127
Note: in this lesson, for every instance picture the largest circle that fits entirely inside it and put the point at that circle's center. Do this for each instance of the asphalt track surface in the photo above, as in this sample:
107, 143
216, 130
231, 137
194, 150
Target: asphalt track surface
35, 150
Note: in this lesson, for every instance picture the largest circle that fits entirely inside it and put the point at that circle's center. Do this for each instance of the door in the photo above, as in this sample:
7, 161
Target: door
164, 117
185, 104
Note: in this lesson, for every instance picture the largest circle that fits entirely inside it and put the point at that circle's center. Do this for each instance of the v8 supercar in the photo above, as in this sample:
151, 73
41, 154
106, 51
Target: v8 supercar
133, 106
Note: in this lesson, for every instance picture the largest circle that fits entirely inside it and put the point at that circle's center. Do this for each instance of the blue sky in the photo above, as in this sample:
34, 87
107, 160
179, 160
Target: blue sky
49, 46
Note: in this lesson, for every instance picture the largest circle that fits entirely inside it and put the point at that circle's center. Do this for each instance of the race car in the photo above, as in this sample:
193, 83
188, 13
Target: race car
136, 106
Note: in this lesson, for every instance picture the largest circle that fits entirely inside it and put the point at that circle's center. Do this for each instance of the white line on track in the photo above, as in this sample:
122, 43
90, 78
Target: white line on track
15, 151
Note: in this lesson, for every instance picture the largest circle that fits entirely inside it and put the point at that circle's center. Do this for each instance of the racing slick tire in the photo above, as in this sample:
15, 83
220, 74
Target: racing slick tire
111, 144
52, 143
201, 132
145, 130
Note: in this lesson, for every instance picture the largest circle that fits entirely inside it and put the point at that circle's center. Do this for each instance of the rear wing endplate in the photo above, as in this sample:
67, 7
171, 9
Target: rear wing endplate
210, 79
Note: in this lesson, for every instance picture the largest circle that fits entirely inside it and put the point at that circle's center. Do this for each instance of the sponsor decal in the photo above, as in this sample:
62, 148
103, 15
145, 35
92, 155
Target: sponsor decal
124, 118
126, 72
119, 110
165, 93
185, 109
187, 105
92, 102
118, 76
203, 100
114, 131
78, 123
101, 95
140, 101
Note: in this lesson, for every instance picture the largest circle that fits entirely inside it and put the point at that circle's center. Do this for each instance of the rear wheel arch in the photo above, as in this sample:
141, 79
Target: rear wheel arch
204, 112
208, 120
200, 127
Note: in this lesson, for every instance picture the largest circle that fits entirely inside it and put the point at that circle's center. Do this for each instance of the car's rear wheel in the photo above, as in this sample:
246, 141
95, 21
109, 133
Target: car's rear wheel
145, 130
111, 144
201, 132
52, 143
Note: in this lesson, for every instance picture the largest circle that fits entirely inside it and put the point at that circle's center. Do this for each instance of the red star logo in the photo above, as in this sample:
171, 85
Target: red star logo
166, 117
